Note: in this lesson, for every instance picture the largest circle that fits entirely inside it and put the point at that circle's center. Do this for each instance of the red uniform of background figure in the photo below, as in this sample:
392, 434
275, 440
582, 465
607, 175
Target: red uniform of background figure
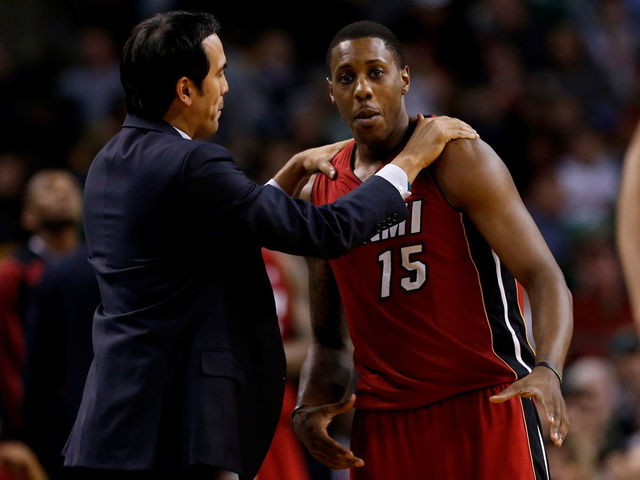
19, 275
285, 459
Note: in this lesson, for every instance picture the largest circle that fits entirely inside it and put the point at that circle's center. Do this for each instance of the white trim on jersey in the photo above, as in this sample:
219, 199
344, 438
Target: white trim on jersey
503, 295
544, 453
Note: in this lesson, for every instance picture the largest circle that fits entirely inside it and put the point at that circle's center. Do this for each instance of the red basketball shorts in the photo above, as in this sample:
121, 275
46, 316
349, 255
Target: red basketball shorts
462, 438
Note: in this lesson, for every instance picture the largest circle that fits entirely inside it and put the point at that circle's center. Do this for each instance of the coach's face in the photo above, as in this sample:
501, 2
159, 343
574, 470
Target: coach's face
207, 103
367, 86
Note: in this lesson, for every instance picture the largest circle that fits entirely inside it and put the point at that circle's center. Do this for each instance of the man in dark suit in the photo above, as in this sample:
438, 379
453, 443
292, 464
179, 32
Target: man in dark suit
188, 369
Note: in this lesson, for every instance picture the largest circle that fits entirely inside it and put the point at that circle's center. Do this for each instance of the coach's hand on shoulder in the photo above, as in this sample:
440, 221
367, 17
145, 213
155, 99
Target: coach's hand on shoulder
310, 425
319, 159
303, 164
428, 140
543, 385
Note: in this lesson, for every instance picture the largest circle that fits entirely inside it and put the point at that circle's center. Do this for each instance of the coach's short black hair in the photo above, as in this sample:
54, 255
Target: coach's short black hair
364, 29
158, 52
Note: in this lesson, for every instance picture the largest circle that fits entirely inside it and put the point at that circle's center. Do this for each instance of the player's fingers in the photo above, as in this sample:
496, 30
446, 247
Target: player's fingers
562, 421
508, 393
332, 453
551, 407
338, 462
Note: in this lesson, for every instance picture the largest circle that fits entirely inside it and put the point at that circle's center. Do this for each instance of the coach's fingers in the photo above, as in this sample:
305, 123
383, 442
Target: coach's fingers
326, 168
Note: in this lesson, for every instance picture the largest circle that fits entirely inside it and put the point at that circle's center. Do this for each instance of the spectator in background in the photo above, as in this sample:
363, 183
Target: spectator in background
13, 173
51, 212
588, 176
58, 355
93, 86
545, 202
591, 394
624, 351
609, 33
574, 70
600, 304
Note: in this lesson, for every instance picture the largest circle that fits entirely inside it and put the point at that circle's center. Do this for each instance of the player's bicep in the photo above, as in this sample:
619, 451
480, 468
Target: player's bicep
325, 305
477, 181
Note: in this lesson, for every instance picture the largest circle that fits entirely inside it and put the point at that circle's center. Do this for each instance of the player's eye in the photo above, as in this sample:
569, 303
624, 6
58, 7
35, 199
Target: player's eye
377, 72
345, 78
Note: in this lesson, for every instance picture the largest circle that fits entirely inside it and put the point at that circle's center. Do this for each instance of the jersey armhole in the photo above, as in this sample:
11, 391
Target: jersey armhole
444, 197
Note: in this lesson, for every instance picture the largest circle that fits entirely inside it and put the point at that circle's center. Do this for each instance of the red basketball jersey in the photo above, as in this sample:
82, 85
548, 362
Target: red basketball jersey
432, 311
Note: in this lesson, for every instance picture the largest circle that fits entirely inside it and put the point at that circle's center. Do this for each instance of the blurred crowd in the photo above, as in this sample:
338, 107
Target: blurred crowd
552, 85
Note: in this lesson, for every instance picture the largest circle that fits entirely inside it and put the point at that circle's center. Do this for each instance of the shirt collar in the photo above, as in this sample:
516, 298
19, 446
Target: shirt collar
182, 134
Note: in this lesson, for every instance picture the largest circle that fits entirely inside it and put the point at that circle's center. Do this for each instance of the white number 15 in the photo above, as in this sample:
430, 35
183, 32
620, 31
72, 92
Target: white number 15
417, 270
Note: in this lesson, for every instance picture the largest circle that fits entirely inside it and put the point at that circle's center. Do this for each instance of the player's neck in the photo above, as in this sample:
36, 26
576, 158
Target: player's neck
368, 157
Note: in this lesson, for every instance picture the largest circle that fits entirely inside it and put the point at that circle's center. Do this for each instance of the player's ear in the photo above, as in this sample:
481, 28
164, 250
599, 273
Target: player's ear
330, 85
184, 90
405, 78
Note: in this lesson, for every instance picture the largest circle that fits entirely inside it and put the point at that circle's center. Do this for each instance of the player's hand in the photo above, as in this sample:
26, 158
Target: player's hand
19, 462
310, 424
543, 385
428, 140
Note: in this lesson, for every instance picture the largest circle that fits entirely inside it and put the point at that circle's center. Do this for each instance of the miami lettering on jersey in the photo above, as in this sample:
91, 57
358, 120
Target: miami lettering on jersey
414, 221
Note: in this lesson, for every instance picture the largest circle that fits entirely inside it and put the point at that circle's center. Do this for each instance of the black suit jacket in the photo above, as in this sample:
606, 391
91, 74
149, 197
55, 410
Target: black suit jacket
188, 362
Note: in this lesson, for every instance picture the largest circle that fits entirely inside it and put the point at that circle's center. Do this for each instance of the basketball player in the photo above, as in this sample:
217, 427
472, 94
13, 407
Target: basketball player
446, 374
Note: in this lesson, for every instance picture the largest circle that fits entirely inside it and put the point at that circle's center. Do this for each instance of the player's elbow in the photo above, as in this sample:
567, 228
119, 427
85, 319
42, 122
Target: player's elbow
544, 277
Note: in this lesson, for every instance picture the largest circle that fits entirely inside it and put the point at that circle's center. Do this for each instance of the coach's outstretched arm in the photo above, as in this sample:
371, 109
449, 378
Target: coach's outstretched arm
474, 179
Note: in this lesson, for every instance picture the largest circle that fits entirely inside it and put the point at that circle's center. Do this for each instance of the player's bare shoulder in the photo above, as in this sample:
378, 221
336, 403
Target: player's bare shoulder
467, 167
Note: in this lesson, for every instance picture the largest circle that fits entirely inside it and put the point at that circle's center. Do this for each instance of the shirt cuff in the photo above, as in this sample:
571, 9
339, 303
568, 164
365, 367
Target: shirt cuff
397, 177
273, 183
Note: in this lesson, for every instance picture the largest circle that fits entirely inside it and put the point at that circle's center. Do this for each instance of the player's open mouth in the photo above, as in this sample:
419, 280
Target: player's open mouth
366, 117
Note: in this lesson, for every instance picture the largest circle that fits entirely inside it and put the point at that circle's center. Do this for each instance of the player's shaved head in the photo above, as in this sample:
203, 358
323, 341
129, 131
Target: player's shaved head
366, 29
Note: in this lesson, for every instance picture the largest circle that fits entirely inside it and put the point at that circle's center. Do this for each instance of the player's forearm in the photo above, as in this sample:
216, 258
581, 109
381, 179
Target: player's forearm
552, 311
628, 224
295, 351
628, 232
325, 376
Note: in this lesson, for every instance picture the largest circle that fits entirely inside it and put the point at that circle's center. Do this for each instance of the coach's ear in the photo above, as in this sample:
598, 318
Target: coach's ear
184, 90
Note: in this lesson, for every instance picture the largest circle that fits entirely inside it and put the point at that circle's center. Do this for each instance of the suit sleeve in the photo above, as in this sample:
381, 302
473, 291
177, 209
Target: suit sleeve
226, 203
